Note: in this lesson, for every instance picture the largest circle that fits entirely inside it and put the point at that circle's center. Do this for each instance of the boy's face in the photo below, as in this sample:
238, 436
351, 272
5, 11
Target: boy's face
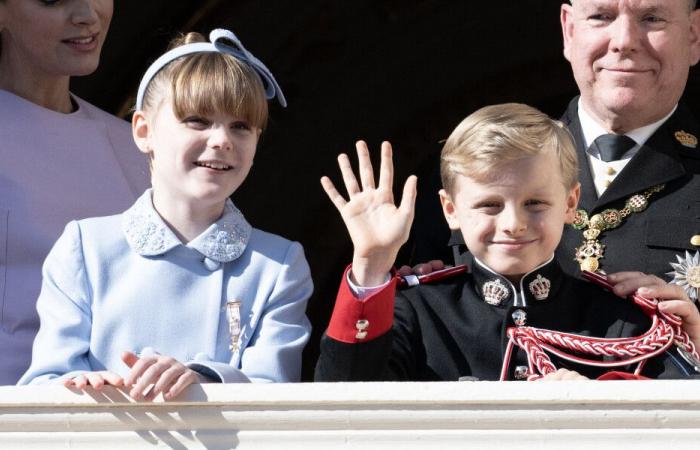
514, 221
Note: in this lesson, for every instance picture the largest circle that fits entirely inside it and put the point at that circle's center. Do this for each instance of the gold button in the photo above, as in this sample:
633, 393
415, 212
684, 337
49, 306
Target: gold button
607, 183
695, 240
611, 171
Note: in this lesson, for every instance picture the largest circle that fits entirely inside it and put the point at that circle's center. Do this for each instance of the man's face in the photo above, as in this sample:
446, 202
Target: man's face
630, 58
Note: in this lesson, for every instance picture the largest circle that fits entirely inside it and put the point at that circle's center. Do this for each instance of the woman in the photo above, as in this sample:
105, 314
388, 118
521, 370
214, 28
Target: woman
62, 158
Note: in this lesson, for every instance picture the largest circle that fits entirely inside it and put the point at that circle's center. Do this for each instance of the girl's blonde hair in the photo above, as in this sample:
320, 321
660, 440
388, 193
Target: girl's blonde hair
207, 83
500, 134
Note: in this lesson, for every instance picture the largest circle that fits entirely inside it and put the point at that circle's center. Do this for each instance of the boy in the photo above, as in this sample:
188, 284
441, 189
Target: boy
510, 185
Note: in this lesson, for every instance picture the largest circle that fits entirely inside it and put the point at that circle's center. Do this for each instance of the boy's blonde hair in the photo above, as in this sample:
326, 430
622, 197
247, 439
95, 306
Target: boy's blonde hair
500, 134
206, 83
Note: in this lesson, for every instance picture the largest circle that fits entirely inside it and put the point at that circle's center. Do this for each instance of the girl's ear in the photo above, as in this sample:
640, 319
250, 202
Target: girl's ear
140, 128
448, 209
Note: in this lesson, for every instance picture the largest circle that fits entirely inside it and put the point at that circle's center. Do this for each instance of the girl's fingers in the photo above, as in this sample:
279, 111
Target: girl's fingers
189, 377
138, 369
95, 380
333, 193
386, 168
80, 381
150, 376
112, 378
365, 165
166, 380
348, 176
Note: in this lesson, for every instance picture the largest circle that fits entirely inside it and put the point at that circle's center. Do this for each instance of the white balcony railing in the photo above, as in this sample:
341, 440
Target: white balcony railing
663, 415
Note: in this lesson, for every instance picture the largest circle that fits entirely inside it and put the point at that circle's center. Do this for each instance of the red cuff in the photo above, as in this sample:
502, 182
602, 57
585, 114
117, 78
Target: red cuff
355, 320
617, 375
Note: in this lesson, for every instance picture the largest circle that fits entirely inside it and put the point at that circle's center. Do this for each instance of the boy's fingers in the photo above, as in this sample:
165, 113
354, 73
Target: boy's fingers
348, 176
365, 165
386, 168
333, 193
408, 198
563, 375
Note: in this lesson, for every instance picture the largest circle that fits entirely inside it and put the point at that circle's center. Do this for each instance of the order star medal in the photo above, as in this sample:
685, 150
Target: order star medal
233, 313
686, 274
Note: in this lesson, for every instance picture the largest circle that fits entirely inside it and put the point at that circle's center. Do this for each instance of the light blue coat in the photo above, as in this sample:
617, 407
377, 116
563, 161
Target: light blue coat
126, 282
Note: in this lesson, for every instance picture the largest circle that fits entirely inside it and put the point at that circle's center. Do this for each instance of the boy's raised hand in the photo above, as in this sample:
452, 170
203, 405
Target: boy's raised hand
376, 225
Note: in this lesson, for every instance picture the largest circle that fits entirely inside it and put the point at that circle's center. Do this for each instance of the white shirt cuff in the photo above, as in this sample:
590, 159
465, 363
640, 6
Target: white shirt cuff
362, 292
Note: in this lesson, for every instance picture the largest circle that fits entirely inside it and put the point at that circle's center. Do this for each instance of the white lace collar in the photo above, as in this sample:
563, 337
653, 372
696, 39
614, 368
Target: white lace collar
147, 234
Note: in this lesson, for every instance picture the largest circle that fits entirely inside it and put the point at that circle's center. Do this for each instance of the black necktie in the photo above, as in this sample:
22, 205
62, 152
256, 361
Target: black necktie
611, 147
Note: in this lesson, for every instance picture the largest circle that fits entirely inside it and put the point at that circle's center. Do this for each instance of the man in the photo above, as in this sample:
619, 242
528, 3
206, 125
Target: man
631, 59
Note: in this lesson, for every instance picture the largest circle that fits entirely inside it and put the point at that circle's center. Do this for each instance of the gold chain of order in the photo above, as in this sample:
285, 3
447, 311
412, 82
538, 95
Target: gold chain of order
591, 250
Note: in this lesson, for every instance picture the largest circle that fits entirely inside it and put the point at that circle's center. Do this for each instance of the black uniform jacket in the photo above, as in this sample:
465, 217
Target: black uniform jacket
445, 330
649, 240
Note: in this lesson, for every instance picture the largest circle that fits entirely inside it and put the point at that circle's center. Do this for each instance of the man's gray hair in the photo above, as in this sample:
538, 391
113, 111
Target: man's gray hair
691, 3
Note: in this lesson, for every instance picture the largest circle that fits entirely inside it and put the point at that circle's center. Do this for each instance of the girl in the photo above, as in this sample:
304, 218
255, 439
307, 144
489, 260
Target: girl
55, 147
180, 288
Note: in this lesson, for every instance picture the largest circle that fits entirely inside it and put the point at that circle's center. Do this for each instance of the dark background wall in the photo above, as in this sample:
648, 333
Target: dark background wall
402, 70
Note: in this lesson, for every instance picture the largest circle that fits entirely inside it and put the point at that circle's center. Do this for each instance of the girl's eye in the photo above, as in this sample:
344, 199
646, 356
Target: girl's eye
49, 2
196, 122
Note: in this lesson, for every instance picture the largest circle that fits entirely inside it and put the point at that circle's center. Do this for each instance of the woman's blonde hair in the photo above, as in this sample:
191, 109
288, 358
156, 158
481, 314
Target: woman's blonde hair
206, 83
500, 134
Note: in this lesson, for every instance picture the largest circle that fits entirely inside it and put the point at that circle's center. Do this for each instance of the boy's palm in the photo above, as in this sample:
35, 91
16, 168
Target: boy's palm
376, 225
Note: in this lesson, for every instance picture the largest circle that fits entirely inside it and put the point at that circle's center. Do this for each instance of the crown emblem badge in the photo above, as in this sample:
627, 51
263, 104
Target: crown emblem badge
686, 139
494, 292
539, 287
